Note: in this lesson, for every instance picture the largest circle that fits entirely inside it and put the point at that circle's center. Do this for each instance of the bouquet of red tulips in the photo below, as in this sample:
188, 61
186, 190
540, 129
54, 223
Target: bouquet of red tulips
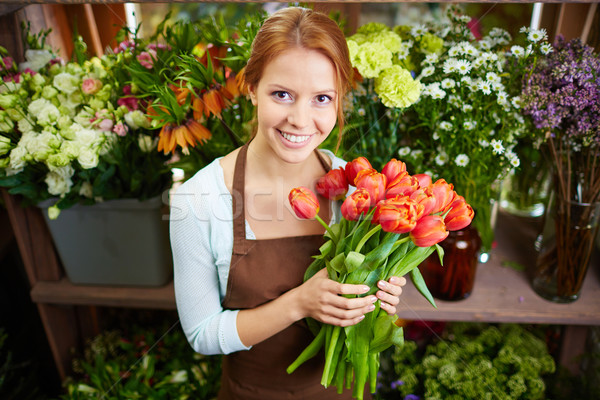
391, 222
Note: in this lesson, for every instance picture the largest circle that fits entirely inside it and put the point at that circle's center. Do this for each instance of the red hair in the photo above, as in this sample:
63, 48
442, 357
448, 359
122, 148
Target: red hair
294, 27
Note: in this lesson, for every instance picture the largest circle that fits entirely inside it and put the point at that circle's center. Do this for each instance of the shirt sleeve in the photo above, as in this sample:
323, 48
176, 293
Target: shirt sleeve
209, 328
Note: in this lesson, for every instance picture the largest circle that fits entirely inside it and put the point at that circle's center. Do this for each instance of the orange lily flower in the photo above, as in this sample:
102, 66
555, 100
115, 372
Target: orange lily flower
187, 134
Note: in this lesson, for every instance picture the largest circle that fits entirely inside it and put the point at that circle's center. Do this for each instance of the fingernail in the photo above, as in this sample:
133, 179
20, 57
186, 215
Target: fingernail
371, 307
382, 284
365, 289
373, 299
394, 280
361, 317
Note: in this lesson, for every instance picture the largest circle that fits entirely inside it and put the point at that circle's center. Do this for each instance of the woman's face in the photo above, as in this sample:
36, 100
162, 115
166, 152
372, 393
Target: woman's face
296, 102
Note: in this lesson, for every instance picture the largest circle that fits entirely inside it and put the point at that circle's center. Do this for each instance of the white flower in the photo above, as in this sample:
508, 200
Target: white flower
492, 77
404, 151
448, 83
462, 160
446, 126
485, 87
454, 51
435, 136
147, 143
179, 376
36, 106
86, 190
402, 54
467, 108
546, 48
36, 59
469, 125
362, 112
483, 143
516, 102
497, 146
87, 158
86, 137
514, 161
463, 67
418, 30
66, 82
431, 58
502, 98
417, 153
485, 44
450, 65
468, 49
454, 100
428, 71
17, 160
497, 86
517, 51
437, 93
535, 35
441, 158
49, 115
59, 180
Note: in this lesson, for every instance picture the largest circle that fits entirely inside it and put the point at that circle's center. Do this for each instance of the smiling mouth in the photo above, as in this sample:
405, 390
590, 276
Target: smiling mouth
294, 138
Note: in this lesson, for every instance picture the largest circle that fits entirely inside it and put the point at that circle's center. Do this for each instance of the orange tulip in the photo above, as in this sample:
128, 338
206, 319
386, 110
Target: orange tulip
213, 102
356, 204
424, 197
397, 215
374, 182
429, 231
354, 167
304, 202
424, 180
444, 195
460, 215
403, 184
333, 185
393, 168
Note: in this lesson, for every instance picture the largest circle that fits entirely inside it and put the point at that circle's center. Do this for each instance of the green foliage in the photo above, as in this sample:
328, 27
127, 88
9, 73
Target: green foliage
146, 364
475, 361
16, 379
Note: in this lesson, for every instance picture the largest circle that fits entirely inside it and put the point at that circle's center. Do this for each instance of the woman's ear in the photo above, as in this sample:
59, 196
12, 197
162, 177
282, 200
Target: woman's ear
252, 92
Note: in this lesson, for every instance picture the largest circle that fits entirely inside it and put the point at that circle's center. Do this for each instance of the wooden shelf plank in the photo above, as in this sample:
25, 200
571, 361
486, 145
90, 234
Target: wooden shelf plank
64, 292
503, 294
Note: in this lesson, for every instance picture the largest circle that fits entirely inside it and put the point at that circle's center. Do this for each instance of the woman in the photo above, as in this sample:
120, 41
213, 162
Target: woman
239, 251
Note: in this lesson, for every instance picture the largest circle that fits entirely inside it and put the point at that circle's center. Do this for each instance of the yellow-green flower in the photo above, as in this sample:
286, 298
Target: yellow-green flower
372, 27
372, 58
397, 88
388, 39
431, 43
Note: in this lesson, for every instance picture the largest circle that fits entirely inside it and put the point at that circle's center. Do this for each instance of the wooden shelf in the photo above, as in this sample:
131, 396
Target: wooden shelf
503, 294
64, 292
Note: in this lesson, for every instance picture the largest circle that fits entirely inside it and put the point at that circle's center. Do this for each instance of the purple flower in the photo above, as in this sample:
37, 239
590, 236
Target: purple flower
411, 397
396, 384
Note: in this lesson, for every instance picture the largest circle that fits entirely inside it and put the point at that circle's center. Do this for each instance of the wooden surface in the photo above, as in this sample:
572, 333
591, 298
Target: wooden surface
501, 293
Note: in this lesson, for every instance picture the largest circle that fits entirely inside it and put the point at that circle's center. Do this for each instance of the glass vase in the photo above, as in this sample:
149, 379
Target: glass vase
565, 247
454, 280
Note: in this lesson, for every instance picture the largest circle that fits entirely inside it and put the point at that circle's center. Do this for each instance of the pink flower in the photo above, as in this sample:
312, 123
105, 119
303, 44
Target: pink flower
91, 86
147, 58
429, 231
106, 124
129, 101
424, 180
7, 62
120, 129
124, 45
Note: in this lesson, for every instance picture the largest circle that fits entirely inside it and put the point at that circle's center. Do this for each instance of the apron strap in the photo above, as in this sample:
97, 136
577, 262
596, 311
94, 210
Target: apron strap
240, 245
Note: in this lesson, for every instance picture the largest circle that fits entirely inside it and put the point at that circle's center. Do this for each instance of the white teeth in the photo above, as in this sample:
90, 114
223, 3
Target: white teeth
294, 138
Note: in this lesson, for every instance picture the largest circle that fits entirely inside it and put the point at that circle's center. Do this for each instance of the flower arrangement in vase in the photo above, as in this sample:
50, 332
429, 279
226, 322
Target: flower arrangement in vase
561, 96
390, 223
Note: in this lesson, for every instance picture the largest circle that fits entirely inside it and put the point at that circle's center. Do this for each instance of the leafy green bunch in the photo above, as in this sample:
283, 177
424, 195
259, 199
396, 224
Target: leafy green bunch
474, 361
143, 365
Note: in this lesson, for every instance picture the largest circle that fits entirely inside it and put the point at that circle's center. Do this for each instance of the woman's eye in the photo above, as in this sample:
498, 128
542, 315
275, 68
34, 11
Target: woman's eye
281, 95
323, 98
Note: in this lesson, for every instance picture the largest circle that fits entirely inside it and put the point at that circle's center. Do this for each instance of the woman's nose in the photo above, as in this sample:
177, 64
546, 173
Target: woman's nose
299, 115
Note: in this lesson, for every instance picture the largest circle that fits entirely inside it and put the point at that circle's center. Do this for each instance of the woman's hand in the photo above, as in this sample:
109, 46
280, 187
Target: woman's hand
322, 299
390, 292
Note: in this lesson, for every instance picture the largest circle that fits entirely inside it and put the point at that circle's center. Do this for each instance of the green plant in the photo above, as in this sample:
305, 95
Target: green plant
16, 379
145, 364
476, 361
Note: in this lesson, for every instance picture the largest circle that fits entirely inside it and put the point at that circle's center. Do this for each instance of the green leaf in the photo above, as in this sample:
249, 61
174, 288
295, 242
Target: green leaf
378, 255
337, 263
410, 261
353, 261
440, 252
421, 286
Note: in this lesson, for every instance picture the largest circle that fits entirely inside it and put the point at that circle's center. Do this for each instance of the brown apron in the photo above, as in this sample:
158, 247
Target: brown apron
260, 271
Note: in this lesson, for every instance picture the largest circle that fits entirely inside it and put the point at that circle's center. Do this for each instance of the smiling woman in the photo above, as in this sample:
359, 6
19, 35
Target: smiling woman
240, 252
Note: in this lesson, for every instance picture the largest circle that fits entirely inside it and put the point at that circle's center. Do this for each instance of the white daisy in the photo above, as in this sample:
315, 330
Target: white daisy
438, 94
469, 125
362, 112
448, 83
417, 153
492, 77
485, 87
418, 30
463, 67
435, 136
483, 143
497, 146
454, 51
468, 49
467, 108
462, 160
402, 54
515, 162
404, 151
546, 48
497, 86
450, 65
502, 98
441, 158
516, 102
431, 58
535, 35
428, 71
446, 126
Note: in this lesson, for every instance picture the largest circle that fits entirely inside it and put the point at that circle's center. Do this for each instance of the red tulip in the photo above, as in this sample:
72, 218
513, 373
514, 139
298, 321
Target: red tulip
424, 180
444, 195
403, 184
304, 202
374, 182
356, 204
397, 215
460, 214
429, 230
354, 167
333, 185
393, 168
424, 197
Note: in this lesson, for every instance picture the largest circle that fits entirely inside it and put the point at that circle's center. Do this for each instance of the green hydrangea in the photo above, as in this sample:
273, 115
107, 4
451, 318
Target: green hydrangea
431, 43
397, 88
388, 39
372, 27
371, 59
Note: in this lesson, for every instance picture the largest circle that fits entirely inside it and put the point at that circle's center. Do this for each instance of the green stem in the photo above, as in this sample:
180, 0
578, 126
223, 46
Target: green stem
362, 242
329, 368
309, 352
327, 228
